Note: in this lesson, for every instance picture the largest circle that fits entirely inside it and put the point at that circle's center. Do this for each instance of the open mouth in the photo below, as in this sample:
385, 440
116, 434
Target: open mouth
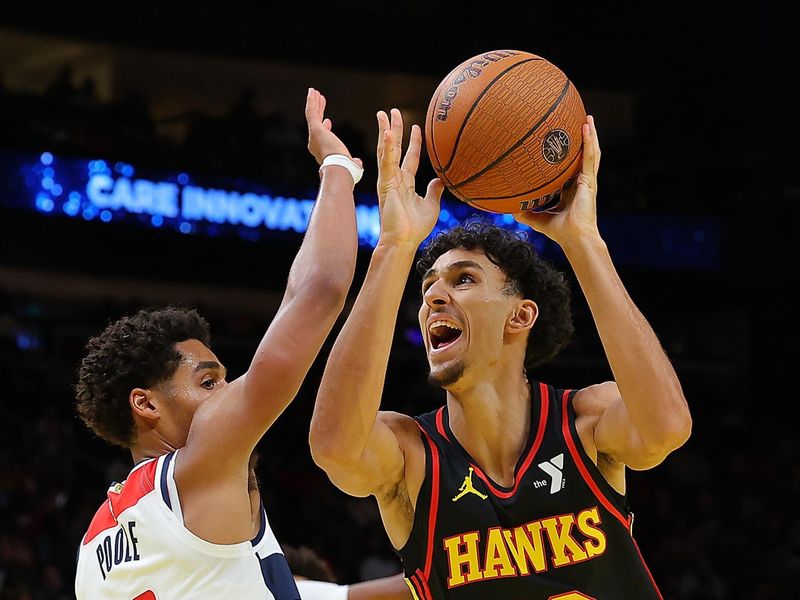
443, 334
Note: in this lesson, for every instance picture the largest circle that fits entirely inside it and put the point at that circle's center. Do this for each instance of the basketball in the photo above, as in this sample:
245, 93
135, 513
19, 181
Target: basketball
503, 132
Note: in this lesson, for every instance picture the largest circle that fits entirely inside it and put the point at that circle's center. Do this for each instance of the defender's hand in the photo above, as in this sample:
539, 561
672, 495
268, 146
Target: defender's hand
406, 217
578, 217
322, 141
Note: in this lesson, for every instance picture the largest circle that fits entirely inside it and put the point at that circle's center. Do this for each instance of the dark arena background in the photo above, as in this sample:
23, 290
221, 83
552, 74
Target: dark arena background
109, 114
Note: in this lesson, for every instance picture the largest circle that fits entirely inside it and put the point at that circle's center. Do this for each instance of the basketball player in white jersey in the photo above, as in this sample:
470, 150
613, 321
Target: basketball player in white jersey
188, 522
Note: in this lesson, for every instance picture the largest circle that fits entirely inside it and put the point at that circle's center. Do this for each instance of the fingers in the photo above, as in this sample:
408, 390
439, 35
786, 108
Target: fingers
591, 148
435, 189
386, 161
383, 127
315, 107
310, 105
411, 159
390, 143
312, 115
383, 122
397, 134
531, 219
587, 167
327, 124
596, 143
385, 144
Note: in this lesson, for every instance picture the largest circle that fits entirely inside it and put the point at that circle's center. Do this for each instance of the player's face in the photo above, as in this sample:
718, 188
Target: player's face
463, 314
199, 375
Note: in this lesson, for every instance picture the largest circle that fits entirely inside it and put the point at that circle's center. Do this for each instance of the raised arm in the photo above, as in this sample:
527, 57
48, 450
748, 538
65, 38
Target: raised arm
360, 450
644, 416
227, 427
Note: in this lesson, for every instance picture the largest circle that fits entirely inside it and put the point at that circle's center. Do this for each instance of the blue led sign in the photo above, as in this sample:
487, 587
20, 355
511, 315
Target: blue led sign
98, 189
108, 191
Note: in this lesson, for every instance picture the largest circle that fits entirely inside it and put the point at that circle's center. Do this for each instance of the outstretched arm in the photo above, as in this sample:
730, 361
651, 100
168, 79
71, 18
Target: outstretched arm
227, 427
393, 587
647, 416
357, 447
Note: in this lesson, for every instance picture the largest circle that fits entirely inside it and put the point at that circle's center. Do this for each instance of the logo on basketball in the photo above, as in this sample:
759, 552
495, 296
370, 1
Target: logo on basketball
473, 69
555, 146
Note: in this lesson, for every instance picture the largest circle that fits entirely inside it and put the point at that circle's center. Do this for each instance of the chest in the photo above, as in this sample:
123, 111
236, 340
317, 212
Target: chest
546, 482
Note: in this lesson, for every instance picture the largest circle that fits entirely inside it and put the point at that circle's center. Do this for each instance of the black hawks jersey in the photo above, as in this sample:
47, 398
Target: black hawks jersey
560, 533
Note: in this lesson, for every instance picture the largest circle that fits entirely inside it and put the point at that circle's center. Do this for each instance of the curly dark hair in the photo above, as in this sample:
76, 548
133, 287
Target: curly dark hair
134, 351
528, 274
304, 562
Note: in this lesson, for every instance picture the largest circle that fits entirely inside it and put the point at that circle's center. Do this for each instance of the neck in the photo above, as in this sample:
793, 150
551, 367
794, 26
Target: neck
149, 446
491, 420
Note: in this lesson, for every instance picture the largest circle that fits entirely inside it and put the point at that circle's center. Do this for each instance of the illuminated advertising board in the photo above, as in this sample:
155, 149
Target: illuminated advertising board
117, 192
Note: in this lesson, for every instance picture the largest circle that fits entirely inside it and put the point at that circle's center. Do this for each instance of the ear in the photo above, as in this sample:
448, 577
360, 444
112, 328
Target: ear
524, 316
143, 405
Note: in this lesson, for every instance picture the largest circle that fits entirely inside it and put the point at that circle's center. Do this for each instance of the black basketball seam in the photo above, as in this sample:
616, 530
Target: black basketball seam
520, 141
472, 108
531, 190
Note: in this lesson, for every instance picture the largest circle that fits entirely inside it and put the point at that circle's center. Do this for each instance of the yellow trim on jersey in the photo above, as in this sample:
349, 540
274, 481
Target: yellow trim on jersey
411, 587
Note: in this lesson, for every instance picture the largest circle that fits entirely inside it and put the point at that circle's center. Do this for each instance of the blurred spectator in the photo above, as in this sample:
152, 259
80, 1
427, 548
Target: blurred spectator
61, 88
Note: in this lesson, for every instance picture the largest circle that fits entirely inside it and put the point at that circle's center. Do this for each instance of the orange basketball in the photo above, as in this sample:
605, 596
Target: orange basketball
503, 132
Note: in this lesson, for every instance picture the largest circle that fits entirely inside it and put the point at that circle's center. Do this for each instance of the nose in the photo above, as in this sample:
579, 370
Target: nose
436, 294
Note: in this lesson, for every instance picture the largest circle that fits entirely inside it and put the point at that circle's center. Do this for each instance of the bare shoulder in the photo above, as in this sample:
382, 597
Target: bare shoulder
592, 401
406, 430
398, 422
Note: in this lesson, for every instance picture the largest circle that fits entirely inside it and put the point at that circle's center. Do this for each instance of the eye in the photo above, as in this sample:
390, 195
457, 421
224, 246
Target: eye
465, 278
209, 384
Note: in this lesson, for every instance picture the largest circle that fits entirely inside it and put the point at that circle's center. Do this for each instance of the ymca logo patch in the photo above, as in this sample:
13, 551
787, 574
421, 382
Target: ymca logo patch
554, 468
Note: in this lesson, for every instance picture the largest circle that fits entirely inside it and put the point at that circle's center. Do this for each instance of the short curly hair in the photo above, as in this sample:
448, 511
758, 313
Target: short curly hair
528, 274
134, 351
304, 562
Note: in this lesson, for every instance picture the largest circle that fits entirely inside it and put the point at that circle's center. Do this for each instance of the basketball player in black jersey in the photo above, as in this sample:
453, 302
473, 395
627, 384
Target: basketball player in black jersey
512, 489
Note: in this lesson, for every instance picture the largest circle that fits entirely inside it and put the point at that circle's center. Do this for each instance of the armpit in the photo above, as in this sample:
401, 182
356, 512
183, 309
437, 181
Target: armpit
396, 496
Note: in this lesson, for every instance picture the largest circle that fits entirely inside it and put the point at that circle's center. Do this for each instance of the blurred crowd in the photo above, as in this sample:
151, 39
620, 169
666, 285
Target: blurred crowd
716, 521
69, 118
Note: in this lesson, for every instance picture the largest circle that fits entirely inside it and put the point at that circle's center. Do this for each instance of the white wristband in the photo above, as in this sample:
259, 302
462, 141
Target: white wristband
343, 161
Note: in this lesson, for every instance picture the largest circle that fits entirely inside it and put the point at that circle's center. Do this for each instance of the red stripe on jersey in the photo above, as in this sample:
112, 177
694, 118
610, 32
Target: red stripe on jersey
414, 581
102, 520
587, 477
440, 424
138, 484
544, 394
649, 574
417, 580
425, 588
434, 503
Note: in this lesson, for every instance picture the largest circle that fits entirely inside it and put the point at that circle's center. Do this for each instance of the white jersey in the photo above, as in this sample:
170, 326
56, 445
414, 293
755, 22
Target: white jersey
137, 548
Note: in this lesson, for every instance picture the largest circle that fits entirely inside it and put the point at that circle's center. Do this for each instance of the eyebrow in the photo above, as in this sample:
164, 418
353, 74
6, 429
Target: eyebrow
459, 264
209, 364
